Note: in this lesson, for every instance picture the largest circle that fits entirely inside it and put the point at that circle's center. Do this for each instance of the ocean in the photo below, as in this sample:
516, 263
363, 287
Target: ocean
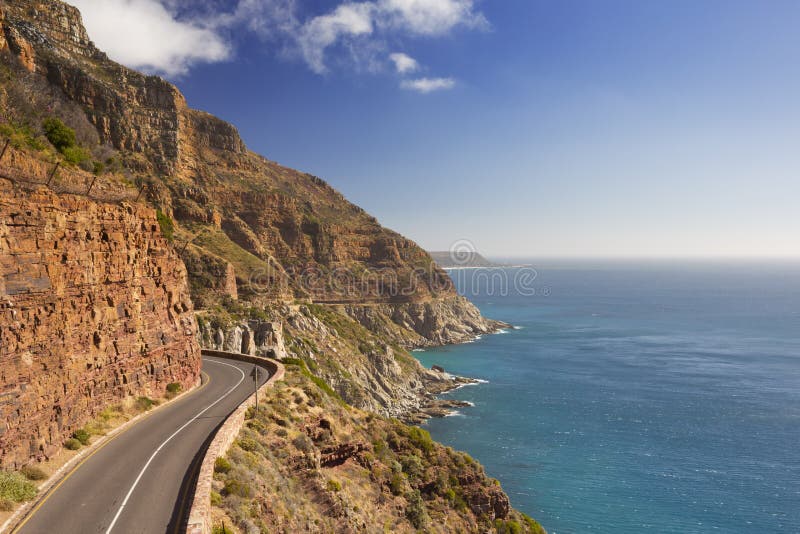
651, 397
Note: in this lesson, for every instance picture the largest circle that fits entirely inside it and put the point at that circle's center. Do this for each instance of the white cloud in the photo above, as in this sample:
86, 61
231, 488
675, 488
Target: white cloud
168, 37
431, 17
143, 34
267, 18
418, 17
403, 63
347, 20
428, 85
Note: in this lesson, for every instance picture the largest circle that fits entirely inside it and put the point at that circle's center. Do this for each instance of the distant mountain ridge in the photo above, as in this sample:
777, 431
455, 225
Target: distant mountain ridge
455, 259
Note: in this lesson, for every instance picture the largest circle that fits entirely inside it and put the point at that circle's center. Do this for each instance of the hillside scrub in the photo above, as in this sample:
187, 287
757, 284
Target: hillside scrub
308, 463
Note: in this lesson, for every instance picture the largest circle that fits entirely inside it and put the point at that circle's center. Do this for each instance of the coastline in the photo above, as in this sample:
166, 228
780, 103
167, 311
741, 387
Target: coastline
436, 407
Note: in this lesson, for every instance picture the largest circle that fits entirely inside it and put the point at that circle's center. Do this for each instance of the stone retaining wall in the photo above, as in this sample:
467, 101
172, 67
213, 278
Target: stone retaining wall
200, 513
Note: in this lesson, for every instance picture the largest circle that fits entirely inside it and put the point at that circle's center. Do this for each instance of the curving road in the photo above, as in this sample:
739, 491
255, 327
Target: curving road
142, 480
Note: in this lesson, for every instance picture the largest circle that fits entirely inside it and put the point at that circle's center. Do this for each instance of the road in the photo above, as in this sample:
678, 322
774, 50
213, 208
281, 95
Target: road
142, 480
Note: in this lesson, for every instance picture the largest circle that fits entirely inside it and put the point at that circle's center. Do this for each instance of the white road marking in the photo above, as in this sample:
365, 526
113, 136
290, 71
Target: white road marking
190, 421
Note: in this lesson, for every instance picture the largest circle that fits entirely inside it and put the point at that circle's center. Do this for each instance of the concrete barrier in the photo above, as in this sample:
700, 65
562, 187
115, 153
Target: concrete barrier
200, 513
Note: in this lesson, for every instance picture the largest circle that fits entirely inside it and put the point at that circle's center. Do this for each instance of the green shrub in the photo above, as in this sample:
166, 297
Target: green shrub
533, 525
76, 155
320, 383
72, 444
216, 498
98, 167
144, 403
507, 527
412, 466
420, 438
82, 435
235, 487
334, 485
173, 388
221, 529
32, 472
248, 444
23, 136
221, 465
166, 224
59, 134
416, 512
16, 488
396, 484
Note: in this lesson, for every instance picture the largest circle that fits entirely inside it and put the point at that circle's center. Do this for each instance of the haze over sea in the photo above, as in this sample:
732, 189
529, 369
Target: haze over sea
658, 397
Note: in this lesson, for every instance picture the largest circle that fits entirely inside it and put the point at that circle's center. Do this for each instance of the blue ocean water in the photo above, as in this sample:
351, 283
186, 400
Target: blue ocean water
637, 398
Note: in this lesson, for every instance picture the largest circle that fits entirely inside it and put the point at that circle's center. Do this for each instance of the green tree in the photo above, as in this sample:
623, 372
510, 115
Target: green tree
59, 134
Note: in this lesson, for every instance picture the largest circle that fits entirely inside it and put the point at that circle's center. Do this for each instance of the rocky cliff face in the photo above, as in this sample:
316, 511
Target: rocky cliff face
283, 233
94, 307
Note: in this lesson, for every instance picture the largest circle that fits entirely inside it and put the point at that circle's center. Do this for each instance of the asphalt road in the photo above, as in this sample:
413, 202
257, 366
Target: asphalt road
142, 480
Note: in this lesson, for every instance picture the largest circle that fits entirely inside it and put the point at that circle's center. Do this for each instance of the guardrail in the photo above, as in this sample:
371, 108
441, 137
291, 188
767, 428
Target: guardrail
200, 513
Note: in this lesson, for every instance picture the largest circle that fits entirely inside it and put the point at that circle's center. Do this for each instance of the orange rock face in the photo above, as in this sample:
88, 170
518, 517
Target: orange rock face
94, 307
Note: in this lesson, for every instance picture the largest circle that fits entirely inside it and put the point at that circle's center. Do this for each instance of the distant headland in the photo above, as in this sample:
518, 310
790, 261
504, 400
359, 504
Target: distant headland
447, 259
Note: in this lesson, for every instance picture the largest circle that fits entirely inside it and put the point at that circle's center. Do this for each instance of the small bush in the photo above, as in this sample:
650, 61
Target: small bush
248, 444
334, 485
16, 488
144, 403
76, 155
507, 527
166, 224
173, 388
98, 167
221, 465
235, 487
421, 438
416, 512
82, 435
533, 525
216, 498
220, 529
59, 134
303, 443
32, 472
72, 444
396, 484
412, 466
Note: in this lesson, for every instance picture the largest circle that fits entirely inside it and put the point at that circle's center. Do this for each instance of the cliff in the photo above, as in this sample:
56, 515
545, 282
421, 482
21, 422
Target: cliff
276, 233
94, 308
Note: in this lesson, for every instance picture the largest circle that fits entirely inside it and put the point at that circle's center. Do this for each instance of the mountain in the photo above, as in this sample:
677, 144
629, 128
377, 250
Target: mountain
136, 230
459, 260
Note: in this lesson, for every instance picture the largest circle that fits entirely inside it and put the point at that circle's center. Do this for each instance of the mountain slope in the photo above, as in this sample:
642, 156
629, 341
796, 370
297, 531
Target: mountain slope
285, 233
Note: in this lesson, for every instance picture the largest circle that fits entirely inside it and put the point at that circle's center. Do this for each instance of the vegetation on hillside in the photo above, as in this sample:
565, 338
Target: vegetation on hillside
308, 463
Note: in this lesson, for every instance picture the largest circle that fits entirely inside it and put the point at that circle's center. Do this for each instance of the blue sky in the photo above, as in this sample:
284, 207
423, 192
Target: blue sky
532, 128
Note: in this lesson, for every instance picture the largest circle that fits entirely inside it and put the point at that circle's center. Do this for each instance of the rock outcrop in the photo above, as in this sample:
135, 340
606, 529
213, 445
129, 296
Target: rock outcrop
94, 308
254, 337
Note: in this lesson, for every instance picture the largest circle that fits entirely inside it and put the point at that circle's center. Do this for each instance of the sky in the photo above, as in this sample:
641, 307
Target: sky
528, 128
